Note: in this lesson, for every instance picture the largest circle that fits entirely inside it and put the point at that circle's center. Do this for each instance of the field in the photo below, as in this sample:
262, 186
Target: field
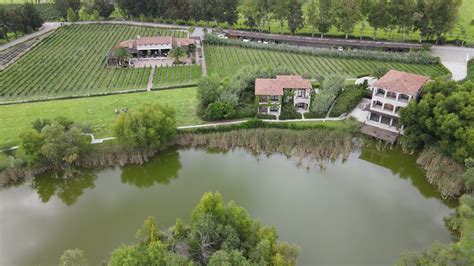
72, 61
177, 75
99, 112
466, 15
225, 60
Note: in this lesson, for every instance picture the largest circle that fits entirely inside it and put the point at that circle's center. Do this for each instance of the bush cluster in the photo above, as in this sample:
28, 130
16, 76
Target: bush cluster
347, 100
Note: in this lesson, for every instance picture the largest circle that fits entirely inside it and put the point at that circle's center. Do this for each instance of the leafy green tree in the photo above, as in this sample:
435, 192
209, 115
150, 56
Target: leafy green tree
378, 17
73, 257
251, 13
104, 7
325, 16
468, 176
30, 146
123, 55
443, 118
281, 10
32, 17
443, 15
63, 5
295, 16
177, 53
219, 110
346, 15
233, 257
71, 15
312, 16
152, 127
402, 13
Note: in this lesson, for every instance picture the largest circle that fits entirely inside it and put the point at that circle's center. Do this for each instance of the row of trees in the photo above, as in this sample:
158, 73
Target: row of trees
22, 19
206, 10
430, 17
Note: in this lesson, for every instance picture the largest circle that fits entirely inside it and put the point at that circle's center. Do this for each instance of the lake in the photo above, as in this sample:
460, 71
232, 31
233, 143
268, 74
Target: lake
364, 210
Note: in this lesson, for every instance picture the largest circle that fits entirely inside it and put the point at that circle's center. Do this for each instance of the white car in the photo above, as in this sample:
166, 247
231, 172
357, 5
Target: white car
340, 48
265, 42
222, 36
246, 40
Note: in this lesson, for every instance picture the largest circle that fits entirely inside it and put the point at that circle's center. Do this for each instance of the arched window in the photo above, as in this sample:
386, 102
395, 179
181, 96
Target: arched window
388, 107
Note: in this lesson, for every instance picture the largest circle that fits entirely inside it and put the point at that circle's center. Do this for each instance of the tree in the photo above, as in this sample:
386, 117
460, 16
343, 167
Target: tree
105, 7
152, 127
346, 15
3, 24
421, 21
73, 257
63, 5
123, 55
443, 15
402, 14
281, 9
312, 16
295, 16
378, 16
443, 118
177, 53
229, 12
233, 257
249, 10
325, 16
71, 15
32, 17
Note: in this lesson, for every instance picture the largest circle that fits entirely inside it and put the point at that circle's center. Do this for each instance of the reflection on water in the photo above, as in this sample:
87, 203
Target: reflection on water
160, 171
404, 165
68, 187
363, 211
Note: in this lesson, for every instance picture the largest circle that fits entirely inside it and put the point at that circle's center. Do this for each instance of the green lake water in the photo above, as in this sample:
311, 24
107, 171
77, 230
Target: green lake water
364, 210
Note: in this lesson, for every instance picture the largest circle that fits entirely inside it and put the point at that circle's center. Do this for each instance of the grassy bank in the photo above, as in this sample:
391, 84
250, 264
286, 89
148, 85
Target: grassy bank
470, 70
98, 112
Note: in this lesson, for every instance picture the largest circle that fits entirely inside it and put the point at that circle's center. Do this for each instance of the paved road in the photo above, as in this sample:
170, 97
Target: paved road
47, 27
455, 59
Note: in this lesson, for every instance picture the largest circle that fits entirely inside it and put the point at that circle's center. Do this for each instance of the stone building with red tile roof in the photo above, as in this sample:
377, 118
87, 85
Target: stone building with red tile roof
151, 47
270, 92
390, 94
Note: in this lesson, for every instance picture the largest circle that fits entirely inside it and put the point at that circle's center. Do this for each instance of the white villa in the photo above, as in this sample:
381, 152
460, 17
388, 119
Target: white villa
391, 93
269, 93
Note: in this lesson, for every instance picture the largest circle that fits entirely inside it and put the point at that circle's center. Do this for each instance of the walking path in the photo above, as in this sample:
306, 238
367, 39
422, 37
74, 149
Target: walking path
149, 86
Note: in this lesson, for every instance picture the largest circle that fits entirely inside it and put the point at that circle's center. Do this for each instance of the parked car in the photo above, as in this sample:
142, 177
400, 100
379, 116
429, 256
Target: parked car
246, 40
222, 36
340, 48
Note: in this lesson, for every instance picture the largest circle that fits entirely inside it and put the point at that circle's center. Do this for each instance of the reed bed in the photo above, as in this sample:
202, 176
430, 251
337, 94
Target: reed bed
443, 172
317, 145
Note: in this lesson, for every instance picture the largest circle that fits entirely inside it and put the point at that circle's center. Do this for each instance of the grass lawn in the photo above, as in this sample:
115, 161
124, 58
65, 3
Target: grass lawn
95, 111
470, 70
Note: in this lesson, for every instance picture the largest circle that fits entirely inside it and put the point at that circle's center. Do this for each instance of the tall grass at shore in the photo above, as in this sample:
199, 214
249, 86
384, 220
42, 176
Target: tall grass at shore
317, 145
443, 172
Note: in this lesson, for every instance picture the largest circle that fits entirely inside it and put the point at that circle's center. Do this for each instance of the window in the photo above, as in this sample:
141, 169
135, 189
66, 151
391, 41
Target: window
301, 93
274, 98
274, 109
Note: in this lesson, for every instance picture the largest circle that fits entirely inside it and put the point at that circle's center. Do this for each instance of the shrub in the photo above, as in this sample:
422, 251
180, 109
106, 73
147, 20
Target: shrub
330, 88
265, 116
219, 110
347, 100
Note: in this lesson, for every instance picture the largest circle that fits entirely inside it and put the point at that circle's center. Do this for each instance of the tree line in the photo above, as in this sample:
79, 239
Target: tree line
21, 19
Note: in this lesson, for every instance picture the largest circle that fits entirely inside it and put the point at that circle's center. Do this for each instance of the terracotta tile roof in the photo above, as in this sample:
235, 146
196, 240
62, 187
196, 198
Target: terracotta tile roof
154, 40
183, 41
401, 82
276, 86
